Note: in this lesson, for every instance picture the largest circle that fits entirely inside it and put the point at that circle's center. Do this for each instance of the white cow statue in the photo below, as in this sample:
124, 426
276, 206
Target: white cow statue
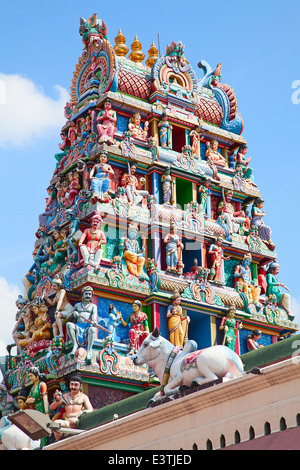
178, 368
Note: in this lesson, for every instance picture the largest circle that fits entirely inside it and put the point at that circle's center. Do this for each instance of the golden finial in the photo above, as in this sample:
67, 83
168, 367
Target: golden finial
136, 47
152, 55
120, 48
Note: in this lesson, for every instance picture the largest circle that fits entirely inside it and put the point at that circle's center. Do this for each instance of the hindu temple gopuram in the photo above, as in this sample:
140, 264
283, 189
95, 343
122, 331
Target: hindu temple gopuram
153, 219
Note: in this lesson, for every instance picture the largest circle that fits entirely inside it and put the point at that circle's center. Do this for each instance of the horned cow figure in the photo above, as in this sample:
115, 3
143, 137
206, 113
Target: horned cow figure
176, 367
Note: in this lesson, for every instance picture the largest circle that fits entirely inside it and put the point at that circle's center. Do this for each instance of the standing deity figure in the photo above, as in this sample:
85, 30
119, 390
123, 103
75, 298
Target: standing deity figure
74, 234
233, 219
82, 168
242, 164
195, 136
75, 402
204, 192
41, 329
135, 128
100, 181
82, 332
44, 249
73, 188
243, 280
174, 248
132, 186
167, 186
24, 321
165, 130
264, 232
177, 322
216, 255
113, 321
106, 122
38, 395
139, 329
230, 328
129, 249
273, 288
63, 307
91, 241
213, 156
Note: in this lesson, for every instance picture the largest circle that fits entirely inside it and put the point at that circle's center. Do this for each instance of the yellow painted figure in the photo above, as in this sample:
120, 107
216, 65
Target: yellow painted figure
178, 322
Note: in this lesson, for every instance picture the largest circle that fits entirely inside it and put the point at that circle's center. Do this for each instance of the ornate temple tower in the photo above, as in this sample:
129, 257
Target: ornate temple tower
153, 218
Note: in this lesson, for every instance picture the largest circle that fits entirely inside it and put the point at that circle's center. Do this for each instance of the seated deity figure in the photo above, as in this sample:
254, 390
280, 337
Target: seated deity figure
165, 130
106, 123
81, 323
100, 181
41, 329
264, 231
233, 219
91, 241
129, 249
273, 288
242, 164
135, 128
132, 186
243, 280
212, 154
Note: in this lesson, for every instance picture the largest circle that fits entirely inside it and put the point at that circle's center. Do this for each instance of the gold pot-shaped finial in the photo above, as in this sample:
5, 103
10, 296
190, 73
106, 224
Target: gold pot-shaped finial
136, 54
152, 55
120, 48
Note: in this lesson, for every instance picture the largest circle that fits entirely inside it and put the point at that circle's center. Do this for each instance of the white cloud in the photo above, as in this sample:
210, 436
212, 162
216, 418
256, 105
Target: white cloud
26, 112
8, 296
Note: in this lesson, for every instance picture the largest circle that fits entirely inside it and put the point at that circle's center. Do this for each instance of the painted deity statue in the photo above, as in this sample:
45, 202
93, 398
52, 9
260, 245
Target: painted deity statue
74, 401
195, 135
74, 234
24, 322
139, 329
243, 280
106, 124
100, 181
174, 248
177, 322
135, 128
73, 188
132, 186
204, 191
216, 255
63, 307
114, 320
167, 186
129, 249
45, 246
83, 169
38, 395
264, 232
242, 164
91, 241
233, 219
273, 288
41, 329
51, 206
165, 131
57, 254
212, 154
82, 332
230, 327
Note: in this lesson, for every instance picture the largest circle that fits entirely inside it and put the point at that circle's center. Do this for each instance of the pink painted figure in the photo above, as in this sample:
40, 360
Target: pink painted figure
134, 126
91, 241
106, 121
139, 329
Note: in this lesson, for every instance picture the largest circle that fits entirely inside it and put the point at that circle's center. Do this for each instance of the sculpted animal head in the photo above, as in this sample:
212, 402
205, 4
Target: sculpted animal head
149, 350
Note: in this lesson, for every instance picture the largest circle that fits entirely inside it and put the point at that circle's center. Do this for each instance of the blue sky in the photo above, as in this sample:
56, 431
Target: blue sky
258, 46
